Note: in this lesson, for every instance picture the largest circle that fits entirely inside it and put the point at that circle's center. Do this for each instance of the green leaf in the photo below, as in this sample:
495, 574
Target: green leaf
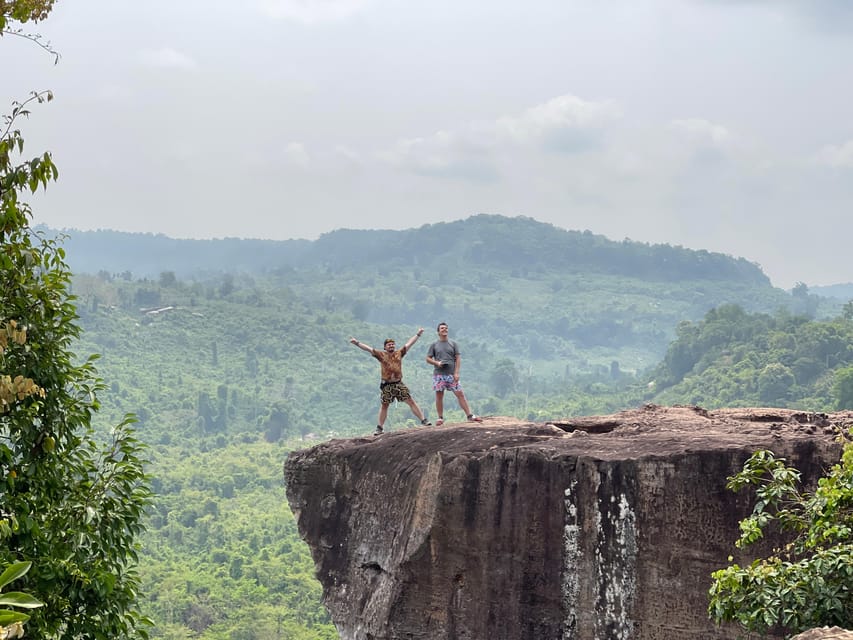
11, 617
18, 599
14, 572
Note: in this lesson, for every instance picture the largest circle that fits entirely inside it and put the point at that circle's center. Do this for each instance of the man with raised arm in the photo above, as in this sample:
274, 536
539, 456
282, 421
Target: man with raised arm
391, 386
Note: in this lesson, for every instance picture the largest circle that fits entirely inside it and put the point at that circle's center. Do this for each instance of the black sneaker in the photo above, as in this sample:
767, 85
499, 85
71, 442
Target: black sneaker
378, 431
426, 423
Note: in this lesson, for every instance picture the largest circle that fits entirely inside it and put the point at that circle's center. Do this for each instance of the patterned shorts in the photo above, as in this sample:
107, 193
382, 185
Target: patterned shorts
390, 391
445, 383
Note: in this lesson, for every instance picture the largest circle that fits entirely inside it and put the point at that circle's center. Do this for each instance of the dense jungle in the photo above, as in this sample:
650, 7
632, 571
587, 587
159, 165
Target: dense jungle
231, 353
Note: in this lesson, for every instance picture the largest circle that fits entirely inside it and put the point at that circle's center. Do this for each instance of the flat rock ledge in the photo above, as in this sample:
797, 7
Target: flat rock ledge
584, 529
825, 633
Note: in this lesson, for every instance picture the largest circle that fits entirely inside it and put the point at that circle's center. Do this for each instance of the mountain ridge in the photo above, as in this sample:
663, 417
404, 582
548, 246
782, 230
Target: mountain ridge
480, 240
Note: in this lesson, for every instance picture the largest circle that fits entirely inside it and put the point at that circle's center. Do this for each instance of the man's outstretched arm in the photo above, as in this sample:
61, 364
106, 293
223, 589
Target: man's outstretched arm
413, 339
361, 345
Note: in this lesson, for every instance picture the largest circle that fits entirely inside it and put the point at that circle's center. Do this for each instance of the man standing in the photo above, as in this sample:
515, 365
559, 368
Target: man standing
443, 354
391, 386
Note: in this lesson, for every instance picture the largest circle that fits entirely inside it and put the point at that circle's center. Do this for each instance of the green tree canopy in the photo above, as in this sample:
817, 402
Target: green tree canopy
23, 11
843, 388
774, 382
504, 377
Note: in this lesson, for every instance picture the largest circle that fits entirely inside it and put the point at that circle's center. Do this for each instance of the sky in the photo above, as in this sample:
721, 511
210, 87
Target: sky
724, 125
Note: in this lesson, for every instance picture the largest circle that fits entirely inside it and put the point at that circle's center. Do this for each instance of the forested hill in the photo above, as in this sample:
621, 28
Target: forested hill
524, 244
146, 255
481, 241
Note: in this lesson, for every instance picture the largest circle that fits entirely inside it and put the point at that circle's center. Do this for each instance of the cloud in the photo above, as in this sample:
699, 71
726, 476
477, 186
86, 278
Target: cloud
445, 154
707, 148
565, 123
476, 151
166, 58
313, 11
347, 157
296, 154
827, 15
703, 132
836, 156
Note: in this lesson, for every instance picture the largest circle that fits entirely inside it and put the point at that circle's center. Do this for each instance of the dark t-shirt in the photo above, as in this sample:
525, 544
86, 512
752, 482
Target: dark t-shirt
444, 351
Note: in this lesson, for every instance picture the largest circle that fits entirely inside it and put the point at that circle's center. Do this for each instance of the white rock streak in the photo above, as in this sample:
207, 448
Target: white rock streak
614, 526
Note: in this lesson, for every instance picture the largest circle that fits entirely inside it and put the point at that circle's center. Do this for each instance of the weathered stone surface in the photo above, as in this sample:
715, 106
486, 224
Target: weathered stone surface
825, 633
589, 529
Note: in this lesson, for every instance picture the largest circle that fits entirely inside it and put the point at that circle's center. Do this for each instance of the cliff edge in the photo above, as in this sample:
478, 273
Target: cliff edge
586, 529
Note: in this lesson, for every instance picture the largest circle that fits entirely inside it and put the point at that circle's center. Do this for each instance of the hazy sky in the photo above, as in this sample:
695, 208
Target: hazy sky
724, 125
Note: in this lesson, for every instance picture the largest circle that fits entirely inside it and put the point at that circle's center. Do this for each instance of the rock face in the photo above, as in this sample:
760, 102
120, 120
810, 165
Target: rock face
590, 529
825, 633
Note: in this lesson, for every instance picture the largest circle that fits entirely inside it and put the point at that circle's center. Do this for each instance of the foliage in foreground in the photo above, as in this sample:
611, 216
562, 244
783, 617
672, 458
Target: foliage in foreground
809, 582
69, 504
23, 11
11, 621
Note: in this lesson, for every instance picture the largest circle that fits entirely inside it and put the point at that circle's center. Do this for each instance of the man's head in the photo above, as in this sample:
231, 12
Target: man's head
442, 330
389, 344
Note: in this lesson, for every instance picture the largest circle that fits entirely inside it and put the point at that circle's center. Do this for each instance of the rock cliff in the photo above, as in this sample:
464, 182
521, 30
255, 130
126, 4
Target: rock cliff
593, 528
825, 633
